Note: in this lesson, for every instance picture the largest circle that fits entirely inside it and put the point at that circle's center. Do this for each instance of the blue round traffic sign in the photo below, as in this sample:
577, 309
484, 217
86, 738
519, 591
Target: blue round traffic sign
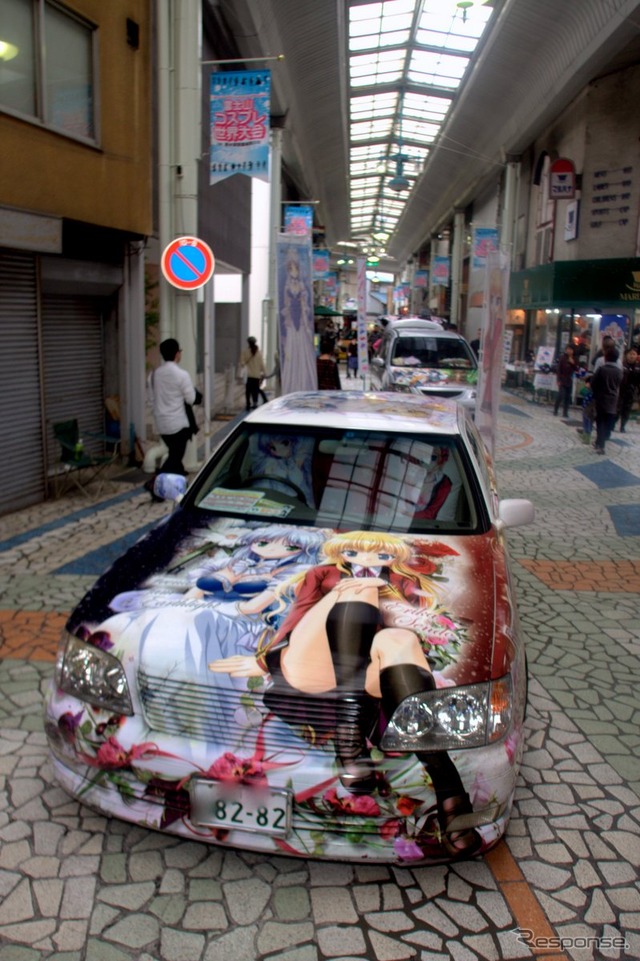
187, 263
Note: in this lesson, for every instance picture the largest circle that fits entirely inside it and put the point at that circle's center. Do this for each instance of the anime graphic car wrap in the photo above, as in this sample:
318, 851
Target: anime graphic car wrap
296, 690
420, 377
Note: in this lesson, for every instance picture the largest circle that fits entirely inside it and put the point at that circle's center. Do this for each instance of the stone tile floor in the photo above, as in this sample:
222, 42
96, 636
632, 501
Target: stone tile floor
77, 887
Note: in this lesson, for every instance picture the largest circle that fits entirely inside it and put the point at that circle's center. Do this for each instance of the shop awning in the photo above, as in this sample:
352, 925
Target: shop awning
596, 285
322, 311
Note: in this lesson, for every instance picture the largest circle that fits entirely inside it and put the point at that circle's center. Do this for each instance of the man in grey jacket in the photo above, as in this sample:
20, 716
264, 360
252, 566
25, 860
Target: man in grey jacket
605, 385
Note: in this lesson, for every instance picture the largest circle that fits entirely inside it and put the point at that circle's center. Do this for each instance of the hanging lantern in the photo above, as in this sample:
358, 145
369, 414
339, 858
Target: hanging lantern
464, 5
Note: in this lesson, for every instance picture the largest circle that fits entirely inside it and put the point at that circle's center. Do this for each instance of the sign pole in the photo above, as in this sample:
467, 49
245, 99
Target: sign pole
209, 364
187, 264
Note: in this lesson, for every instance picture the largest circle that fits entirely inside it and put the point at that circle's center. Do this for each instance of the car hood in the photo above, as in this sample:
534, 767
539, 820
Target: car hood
200, 588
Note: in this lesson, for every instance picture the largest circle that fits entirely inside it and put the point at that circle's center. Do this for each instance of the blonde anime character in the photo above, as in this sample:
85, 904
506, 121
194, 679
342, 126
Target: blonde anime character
340, 656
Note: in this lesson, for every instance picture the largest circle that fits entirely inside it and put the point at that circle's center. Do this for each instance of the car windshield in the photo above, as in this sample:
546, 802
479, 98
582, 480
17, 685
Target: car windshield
434, 352
346, 479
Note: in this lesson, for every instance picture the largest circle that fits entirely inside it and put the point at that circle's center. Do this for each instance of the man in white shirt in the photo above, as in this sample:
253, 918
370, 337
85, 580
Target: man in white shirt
170, 388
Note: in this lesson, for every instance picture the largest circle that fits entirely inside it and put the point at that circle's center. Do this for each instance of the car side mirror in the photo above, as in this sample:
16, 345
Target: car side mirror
170, 487
377, 362
514, 513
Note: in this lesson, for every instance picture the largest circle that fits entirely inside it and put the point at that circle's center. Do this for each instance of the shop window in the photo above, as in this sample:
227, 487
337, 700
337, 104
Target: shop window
47, 64
545, 213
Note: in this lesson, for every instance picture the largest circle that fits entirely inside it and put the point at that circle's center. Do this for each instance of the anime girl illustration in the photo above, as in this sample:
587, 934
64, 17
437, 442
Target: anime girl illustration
264, 558
286, 460
299, 371
340, 657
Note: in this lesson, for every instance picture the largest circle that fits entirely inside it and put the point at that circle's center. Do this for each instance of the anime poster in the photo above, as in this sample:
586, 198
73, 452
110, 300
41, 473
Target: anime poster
361, 326
240, 104
265, 662
321, 263
298, 369
298, 219
491, 361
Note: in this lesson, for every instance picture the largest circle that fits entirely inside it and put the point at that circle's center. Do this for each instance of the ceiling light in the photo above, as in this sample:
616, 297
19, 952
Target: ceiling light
399, 183
7, 50
464, 5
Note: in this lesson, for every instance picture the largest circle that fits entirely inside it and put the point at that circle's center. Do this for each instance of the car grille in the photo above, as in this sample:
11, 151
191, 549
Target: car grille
222, 714
184, 709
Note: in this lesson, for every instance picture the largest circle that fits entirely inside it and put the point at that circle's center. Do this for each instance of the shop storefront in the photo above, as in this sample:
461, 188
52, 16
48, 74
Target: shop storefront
553, 304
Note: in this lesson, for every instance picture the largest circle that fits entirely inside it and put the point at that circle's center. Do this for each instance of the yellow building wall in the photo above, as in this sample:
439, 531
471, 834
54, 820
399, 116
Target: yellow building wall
109, 185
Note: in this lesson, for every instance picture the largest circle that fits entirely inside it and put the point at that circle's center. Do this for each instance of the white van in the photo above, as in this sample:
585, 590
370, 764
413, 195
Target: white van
420, 357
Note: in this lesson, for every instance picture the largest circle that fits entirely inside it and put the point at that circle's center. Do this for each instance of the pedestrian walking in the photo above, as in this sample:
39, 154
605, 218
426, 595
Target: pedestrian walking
567, 367
630, 386
252, 360
170, 388
352, 360
587, 403
605, 385
328, 373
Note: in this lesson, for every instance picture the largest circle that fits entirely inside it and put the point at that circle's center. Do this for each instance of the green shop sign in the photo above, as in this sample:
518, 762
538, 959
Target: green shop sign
577, 284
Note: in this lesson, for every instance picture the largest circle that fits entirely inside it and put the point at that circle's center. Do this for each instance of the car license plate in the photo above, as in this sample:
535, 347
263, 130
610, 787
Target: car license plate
241, 806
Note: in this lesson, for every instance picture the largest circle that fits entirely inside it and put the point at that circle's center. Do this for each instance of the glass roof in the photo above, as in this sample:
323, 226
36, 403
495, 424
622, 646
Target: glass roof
407, 61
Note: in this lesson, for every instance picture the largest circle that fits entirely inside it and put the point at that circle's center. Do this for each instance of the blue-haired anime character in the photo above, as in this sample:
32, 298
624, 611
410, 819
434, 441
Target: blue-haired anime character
261, 561
234, 604
285, 459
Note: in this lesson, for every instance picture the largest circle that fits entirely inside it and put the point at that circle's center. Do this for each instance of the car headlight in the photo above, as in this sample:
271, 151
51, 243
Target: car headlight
91, 674
451, 718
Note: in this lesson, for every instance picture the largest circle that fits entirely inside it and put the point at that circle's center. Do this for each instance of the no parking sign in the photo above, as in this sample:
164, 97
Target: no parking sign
187, 263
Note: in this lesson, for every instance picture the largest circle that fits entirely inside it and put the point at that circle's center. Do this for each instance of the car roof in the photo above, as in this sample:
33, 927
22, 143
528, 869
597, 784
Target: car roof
358, 410
417, 325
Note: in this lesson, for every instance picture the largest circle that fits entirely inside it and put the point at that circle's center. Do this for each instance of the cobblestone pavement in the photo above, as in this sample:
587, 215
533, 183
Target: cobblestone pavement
77, 887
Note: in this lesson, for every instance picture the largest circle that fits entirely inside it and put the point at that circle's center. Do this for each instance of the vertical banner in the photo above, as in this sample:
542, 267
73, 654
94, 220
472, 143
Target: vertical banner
240, 104
298, 370
496, 294
298, 219
363, 346
331, 287
321, 264
421, 279
484, 242
441, 271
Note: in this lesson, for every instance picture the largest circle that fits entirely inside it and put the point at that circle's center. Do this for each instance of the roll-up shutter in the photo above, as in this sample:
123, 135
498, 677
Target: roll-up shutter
22, 476
72, 347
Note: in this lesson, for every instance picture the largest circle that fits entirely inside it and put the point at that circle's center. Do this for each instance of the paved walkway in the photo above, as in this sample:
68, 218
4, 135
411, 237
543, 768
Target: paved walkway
564, 885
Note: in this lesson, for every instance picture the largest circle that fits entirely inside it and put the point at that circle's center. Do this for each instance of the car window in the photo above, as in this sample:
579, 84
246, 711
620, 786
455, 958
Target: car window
434, 352
347, 479
480, 452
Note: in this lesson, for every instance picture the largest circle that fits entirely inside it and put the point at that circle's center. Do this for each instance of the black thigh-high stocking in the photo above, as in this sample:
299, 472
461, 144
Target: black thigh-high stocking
397, 683
351, 627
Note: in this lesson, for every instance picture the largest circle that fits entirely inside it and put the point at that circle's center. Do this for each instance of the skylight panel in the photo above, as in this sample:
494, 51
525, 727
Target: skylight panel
426, 108
394, 47
439, 18
382, 67
441, 70
369, 130
382, 105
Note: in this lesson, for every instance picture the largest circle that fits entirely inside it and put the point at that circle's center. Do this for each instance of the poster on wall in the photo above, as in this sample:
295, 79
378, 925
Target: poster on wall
295, 313
239, 110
